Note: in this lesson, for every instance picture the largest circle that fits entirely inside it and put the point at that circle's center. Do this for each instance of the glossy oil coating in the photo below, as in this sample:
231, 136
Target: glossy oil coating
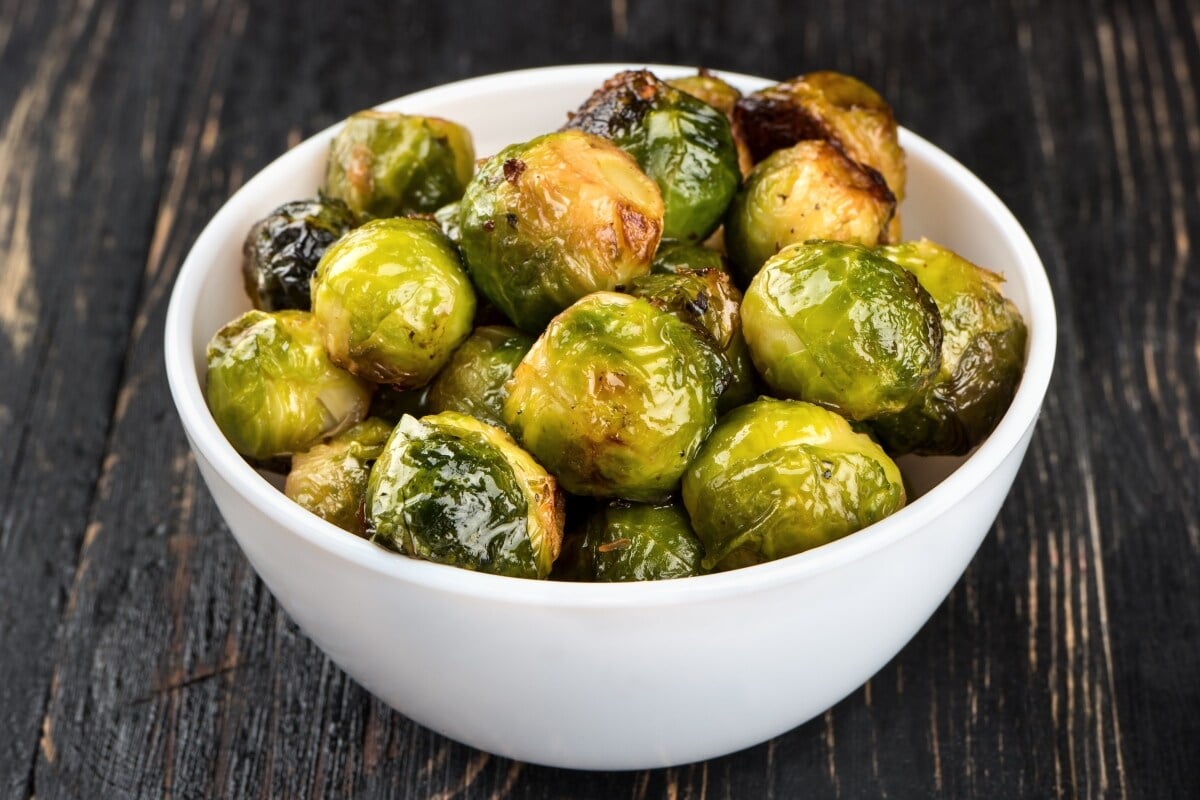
778, 477
457, 491
640, 542
616, 397
473, 382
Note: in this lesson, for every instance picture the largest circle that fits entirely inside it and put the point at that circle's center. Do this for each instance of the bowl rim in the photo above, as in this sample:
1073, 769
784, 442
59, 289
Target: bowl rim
207, 440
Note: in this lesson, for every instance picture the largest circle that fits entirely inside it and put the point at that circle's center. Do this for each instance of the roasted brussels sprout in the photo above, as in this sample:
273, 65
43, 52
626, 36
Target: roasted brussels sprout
283, 248
673, 257
684, 144
452, 489
836, 324
616, 397
386, 164
390, 403
778, 477
330, 479
710, 89
394, 301
447, 219
473, 382
808, 191
983, 356
829, 106
273, 390
636, 542
708, 301
547, 222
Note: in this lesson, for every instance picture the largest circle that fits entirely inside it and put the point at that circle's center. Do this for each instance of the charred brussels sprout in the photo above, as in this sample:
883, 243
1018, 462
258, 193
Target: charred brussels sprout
674, 257
809, 191
394, 301
451, 489
707, 300
778, 477
386, 164
616, 397
547, 222
635, 542
282, 250
473, 382
273, 390
684, 144
827, 106
330, 479
836, 324
983, 356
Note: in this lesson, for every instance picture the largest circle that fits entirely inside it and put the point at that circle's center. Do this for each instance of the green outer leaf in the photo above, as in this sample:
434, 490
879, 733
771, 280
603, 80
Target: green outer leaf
635, 542
473, 381
330, 478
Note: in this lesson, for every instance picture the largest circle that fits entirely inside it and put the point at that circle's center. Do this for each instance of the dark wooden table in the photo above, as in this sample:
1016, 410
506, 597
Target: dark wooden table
139, 654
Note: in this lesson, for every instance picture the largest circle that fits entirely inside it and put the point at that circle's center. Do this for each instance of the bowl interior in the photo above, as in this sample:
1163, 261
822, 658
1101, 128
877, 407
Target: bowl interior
944, 202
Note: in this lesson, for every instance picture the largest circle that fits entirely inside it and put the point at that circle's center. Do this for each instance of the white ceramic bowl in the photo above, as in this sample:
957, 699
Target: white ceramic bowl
614, 676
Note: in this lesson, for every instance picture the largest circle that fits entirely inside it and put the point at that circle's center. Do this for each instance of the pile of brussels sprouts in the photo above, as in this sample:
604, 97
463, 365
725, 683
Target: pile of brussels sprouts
680, 334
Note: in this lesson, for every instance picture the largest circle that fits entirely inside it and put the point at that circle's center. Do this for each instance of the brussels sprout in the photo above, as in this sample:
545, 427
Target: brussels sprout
386, 164
394, 301
282, 250
447, 219
836, 324
616, 397
684, 144
636, 542
390, 403
708, 301
330, 479
473, 382
674, 257
452, 489
708, 88
272, 389
827, 106
778, 477
809, 191
983, 356
547, 222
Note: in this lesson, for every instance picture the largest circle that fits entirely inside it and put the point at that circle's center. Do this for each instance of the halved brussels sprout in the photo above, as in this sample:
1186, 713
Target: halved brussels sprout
330, 478
282, 250
473, 382
708, 301
616, 397
636, 542
681, 142
828, 106
983, 356
394, 301
386, 164
547, 222
672, 257
272, 389
808, 191
836, 324
778, 477
451, 489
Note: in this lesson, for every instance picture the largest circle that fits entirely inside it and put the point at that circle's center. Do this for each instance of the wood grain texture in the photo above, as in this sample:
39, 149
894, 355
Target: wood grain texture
143, 658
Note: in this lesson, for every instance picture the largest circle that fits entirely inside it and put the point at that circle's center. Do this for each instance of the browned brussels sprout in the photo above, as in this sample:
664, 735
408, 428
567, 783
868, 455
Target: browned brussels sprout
473, 381
616, 397
451, 489
282, 250
708, 301
635, 542
272, 388
547, 222
808, 191
394, 301
387, 164
684, 144
827, 106
330, 479
778, 477
983, 356
839, 325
